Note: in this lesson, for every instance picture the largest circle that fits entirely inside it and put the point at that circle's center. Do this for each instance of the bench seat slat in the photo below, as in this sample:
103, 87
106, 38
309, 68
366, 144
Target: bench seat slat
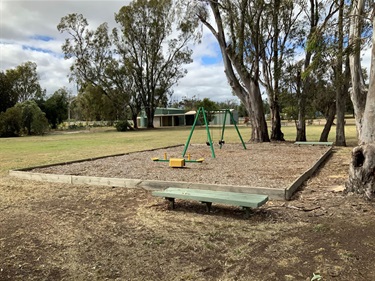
224, 197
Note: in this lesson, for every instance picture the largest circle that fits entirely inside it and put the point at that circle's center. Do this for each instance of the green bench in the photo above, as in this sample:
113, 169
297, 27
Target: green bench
244, 200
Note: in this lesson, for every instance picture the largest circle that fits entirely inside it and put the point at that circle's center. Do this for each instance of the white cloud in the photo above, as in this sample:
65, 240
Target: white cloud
24, 23
204, 81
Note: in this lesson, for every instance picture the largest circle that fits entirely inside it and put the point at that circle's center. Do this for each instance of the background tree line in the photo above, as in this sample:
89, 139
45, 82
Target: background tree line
296, 52
24, 107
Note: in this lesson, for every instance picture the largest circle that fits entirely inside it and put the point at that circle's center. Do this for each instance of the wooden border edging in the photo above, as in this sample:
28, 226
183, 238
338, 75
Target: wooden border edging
273, 193
289, 191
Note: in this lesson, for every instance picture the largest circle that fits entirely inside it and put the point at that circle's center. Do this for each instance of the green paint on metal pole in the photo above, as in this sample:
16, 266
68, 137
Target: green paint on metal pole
203, 112
208, 133
238, 132
191, 132
223, 129
200, 111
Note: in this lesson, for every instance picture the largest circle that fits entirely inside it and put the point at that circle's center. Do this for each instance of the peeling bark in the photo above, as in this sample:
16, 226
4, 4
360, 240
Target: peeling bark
358, 91
368, 129
244, 84
362, 171
362, 167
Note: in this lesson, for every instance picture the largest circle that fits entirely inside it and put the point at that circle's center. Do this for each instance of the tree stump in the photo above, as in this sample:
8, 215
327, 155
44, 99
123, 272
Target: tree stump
362, 171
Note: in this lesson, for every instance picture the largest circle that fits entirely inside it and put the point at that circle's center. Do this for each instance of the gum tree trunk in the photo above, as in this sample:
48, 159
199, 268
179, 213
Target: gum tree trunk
362, 171
245, 85
340, 85
358, 90
329, 121
362, 167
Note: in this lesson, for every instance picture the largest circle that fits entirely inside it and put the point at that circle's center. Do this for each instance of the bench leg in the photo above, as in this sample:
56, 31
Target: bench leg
247, 212
171, 202
208, 206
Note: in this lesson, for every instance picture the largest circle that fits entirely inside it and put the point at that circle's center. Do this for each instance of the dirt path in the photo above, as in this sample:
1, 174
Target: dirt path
59, 232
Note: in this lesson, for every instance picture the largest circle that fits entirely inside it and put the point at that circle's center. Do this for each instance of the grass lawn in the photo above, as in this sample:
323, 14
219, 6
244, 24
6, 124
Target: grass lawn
60, 147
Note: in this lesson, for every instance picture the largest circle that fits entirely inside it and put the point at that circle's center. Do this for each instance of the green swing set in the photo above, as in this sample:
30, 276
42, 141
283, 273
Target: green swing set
201, 111
180, 162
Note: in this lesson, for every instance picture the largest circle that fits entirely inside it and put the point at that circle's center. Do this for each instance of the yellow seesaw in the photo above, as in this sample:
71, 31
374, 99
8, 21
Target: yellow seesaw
177, 162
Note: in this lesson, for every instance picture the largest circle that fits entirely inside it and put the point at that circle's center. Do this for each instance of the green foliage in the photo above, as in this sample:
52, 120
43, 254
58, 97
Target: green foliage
25, 118
25, 81
33, 119
210, 107
56, 107
228, 104
103, 77
122, 126
146, 27
11, 122
8, 97
40, 123
95, 105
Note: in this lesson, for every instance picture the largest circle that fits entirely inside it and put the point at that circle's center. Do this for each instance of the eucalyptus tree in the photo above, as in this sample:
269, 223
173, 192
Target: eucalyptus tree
317, 16
33, 119
56, 107
357, 34
153, 44
94, 60
338, 49
331, 63
361, 169
278, 30
95, 104
240, 50
25, 81
256, 38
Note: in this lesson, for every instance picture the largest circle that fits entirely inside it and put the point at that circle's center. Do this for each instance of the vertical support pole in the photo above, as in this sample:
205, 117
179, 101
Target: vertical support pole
238, 132
208, 133
223, 129
200, 110
171, 202
191, 132
247, 212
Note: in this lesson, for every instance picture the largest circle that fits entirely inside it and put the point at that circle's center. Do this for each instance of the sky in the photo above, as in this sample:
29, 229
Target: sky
28, 32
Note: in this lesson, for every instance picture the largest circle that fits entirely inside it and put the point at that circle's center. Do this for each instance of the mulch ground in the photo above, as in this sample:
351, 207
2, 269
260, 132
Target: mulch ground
64, 232
271, 165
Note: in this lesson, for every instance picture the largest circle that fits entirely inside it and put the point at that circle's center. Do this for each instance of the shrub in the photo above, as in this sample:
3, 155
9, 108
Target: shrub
122, 126
11, 122
40, 124
34, 121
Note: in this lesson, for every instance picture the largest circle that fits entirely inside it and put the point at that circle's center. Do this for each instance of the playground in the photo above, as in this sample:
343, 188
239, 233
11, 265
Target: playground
59, 231
260, 169
263, 168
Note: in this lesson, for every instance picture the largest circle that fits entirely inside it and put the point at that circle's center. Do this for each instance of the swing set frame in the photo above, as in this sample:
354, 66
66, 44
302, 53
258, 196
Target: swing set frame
202, 111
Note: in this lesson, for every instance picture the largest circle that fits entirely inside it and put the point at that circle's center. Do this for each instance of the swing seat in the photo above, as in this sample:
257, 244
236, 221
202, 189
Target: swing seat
221, 142
208, 143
